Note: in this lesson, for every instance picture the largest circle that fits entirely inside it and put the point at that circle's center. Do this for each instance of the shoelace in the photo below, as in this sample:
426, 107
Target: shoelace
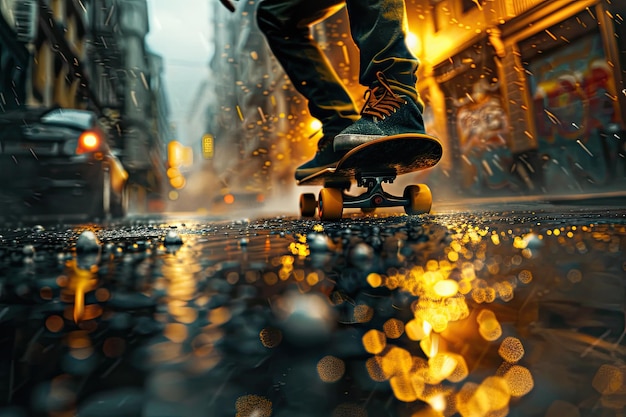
381, 101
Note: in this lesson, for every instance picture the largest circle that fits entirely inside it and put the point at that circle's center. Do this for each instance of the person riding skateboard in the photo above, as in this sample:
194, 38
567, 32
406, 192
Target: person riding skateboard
387, 69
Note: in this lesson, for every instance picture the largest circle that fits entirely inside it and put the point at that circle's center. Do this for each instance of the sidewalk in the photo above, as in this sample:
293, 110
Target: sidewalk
604, 199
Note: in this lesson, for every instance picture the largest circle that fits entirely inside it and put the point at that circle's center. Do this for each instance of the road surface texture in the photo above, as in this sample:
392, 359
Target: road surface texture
515, 311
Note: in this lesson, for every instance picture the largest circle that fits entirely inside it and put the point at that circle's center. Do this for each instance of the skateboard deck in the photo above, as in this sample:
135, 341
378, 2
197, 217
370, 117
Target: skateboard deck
370, 165
388, 155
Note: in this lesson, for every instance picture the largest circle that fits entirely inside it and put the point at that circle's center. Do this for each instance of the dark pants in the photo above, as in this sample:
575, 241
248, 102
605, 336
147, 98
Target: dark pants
377, 28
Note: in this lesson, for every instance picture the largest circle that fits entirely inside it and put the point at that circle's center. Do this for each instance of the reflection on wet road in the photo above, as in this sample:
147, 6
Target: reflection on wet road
484, 314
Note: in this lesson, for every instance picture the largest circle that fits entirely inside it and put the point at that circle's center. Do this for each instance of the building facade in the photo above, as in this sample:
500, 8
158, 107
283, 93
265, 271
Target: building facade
15, 33
528, 95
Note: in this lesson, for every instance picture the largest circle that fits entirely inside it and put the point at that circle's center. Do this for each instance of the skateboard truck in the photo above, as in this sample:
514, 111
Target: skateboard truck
333, 198
372, 179
375, 196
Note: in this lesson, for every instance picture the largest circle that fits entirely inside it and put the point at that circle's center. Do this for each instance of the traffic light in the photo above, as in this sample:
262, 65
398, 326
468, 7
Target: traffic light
179, 155
208, 146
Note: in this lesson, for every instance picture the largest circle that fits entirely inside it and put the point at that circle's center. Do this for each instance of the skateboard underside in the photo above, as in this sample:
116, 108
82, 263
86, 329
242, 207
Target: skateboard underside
370, 166
393, 155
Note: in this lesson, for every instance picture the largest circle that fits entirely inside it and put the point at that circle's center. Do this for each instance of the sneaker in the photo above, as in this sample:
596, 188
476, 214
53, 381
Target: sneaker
385, 113
325, 157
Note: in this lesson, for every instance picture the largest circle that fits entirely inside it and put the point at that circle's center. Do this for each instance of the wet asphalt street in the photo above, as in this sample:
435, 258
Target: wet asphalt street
478, 312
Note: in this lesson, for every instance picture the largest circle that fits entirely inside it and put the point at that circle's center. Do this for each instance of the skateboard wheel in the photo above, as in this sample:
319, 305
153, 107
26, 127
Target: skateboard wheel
420, 199
308, 205
330, 203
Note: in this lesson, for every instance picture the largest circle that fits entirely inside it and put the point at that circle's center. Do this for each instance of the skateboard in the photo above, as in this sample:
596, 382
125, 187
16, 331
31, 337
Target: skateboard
370, 165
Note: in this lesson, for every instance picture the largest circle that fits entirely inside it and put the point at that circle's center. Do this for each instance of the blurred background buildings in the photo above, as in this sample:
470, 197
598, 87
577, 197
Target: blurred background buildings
91, 54
527, 96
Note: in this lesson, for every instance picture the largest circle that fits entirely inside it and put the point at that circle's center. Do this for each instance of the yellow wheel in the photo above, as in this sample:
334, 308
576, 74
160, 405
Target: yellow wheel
330, 203
420, 199
308, 205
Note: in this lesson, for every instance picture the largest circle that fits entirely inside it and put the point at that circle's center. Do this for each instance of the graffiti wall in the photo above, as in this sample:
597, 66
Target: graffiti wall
482, 130
478, 125
574, 101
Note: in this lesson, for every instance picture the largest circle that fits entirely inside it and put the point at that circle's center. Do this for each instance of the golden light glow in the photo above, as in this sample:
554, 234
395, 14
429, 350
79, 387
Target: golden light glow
438, 402
403, 388
172, 172
219, 316
312, 279
80, 281
495, 393
440, 367
374, 367
253, 405
430, 345
461, 370
178, 182
330, 369
176, 332
46, 293
270, 337
609, 379
375, 280
511, 349
88, 142
315, 125
488, 325
464, 403
415, 329
520, 380
413, 42
396, 361
229, 199
54, 323
78, 339
442, 287
393, 328
179, 155
363, 313
525, 277
446, 288
374, 341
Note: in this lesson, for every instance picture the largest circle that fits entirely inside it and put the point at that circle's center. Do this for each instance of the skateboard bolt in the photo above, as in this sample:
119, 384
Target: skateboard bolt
378, 200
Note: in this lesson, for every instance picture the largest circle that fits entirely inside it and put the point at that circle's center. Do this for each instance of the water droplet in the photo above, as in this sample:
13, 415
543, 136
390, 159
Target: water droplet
28, 250
318, 242
87, 242
172, 238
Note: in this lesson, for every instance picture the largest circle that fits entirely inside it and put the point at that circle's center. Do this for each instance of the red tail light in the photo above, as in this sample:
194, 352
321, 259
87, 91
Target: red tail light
88, 142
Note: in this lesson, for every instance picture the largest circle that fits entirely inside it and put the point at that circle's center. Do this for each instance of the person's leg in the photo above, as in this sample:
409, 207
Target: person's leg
388, 69
379, 29
286, 25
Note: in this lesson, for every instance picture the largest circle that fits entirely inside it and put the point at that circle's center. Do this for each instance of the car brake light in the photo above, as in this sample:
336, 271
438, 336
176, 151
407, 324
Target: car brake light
88, 142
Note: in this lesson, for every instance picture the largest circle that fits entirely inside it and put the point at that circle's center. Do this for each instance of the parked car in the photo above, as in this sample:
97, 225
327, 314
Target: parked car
59, 162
